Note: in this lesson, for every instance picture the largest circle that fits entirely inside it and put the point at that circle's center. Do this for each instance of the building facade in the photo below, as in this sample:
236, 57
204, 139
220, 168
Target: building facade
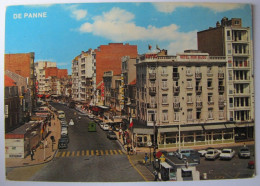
230, 39
184, 96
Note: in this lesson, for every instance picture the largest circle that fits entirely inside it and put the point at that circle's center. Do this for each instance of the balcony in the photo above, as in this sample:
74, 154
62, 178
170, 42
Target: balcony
176, 105
175, 76
221, 75
151, 105
198, 75
152, 76
221, 89
176, 90
198, 89
199, 104
221, 104
152, 90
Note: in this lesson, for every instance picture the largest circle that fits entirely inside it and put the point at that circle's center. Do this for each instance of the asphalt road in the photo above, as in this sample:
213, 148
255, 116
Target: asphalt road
108, 163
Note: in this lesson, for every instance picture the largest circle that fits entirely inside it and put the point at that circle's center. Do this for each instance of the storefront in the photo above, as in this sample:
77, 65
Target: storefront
142, 136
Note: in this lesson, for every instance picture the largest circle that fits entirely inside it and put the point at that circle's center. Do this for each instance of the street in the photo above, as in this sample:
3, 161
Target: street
90, 156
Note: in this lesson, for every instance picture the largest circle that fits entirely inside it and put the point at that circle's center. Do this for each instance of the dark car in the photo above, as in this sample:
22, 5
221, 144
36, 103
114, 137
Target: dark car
65, 137
62, 143
111, 135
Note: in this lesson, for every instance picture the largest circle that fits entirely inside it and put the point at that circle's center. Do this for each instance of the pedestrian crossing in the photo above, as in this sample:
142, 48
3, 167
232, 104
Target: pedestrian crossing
66, 153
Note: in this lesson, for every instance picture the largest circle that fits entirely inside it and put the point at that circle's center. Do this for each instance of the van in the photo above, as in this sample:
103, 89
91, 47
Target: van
61, 114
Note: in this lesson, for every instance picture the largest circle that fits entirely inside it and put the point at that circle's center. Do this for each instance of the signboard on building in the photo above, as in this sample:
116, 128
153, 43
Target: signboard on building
14, 148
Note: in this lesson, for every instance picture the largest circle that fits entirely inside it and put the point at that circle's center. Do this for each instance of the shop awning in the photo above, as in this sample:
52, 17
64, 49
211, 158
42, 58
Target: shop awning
170, 129
230, 126
143, 131
245, 125
212, 127
166, 165
191, 128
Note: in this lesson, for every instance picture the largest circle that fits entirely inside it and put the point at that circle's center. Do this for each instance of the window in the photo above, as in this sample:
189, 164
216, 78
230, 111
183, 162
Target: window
176, 99
198, 98
209, 83
189, 98
210, 113
152, 99
189, 83
176, 116
188, 71
197, 69
164, 99
228, 35
164, 84
198, 114
209, 70
164, 70
165, 115
189, 114
151, 115
210, 97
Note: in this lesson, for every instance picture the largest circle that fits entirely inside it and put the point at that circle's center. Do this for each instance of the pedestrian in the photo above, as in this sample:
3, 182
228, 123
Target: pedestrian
32, 154
146, 158
155, 173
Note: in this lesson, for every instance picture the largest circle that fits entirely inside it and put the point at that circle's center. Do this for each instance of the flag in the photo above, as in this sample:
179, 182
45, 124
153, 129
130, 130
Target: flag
157, 47
131, 123
149, 47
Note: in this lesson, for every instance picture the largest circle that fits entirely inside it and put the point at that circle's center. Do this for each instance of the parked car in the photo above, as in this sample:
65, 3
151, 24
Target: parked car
62, 144
64, 123
61, 114
105, 127
244, 153
204, 151
191, 153
65, 137
91, 116
64, 130
227, 154
212, 154
111, 135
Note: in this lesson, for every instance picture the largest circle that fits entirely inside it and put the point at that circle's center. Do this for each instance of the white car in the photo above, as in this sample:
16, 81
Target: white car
204, 151
212, 154
227, 154
105, 127
71, 122
64, 130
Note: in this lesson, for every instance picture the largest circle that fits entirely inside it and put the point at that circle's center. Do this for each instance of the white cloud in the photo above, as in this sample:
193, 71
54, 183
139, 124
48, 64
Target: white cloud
118, 25
76, 13
216, 7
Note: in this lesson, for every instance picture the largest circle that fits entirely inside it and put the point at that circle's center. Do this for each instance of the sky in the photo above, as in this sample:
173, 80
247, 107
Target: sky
61, 31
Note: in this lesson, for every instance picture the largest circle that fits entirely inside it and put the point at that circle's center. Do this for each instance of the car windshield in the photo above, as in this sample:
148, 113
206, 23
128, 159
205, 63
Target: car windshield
244, 150
210, 152
226, 151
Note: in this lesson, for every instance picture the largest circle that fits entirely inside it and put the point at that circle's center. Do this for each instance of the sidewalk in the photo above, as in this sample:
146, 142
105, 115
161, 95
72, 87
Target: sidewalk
54, 130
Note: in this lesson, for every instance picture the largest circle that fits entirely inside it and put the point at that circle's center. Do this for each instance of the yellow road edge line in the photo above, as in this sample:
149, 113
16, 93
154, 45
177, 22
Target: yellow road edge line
106, 151
87, 152
73, 153
115, 151
120, 152
136, 168
111, 152
97, 153
68, 153
92, 152
78, 152
83, 152
101, 152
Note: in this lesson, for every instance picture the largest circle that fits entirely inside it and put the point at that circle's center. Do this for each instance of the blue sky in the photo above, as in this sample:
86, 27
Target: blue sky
68, 29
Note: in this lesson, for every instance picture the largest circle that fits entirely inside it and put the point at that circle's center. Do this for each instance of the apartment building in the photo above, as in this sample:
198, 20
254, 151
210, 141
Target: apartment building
230, 39
83, 73
40, 67
184, 96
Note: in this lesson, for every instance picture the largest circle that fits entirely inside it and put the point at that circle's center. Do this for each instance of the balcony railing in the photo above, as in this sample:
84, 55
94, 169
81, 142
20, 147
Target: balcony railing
175, 75
198, 104
198, 75
151, 105
221, 89
221, 75
221, 103
152, 90
176, 105
176, 90
152, 75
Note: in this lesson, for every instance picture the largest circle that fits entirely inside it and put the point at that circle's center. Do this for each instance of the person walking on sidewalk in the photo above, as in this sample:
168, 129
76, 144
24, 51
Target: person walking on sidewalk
32, 154
146, 158
155, 173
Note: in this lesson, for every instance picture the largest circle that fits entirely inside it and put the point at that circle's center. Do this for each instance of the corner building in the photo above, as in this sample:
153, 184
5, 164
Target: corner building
230, 39
185, 97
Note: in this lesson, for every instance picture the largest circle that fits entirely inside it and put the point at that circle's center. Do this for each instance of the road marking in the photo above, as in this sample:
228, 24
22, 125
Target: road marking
68, 153
120, 152
58, 154
101, 152
115, 151
82, 152
87, 152
106, 151
78, 153
63, 154
111, 152
92, 152
73, 153
97, 153
136, 168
